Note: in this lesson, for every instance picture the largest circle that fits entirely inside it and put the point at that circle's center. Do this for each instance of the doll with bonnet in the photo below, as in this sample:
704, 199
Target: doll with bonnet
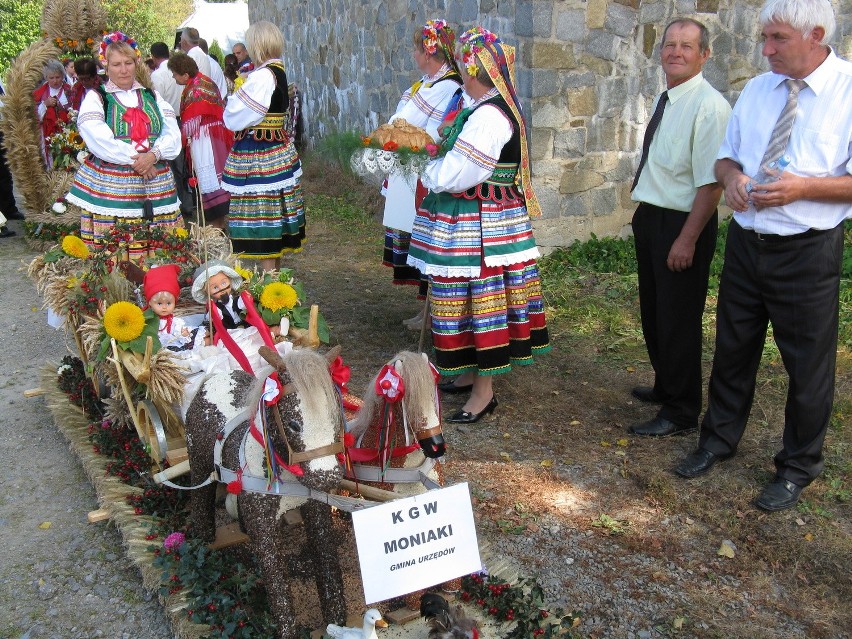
161, 292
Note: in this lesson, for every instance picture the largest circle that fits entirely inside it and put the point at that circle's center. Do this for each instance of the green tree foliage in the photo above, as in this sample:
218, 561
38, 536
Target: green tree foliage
146, 20
216, 51
19, 27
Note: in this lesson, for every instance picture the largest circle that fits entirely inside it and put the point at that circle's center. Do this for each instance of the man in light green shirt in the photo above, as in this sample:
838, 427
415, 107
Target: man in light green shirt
675, 226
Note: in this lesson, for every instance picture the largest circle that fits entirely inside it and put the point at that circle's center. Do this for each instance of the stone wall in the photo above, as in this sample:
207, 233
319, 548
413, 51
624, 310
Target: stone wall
588, 71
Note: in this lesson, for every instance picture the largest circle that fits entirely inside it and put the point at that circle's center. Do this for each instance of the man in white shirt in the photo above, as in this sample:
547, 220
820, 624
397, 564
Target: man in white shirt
785, 245
216, 73
162, 78
189, 39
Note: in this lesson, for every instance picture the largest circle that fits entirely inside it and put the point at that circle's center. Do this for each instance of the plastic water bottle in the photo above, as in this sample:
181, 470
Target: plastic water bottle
769, 173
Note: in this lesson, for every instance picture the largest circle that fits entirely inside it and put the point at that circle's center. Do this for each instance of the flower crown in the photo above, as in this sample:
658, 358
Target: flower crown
472, 42
432, 37
116, 36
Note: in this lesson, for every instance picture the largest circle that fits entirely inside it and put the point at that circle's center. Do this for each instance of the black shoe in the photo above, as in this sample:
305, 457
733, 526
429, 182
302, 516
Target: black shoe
463, 417
781, 494
698, 462
15, 215
659, 427
646, 394
4, 232
451, 389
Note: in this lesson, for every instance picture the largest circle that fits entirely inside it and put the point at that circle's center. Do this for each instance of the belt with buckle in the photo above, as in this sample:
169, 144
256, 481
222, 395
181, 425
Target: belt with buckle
771, 238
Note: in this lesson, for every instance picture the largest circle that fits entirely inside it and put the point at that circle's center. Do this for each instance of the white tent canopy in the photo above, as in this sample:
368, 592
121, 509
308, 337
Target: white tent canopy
225, 22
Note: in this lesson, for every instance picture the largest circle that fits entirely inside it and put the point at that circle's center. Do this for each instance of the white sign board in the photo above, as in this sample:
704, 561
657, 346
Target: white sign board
415, 543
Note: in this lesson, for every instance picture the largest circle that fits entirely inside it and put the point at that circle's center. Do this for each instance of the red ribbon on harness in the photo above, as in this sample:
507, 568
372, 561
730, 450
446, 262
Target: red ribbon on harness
138, 122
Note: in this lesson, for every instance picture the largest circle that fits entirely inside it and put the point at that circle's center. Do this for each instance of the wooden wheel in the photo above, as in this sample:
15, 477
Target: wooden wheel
153, 433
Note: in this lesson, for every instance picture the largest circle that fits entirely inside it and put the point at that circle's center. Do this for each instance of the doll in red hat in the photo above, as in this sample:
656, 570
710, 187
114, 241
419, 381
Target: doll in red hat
162, 290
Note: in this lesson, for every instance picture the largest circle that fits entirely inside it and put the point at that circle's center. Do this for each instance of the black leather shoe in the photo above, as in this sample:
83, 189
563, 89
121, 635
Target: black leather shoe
781, 494
464, 417
646, 394
659, 427
4, 232
698, 462
15, 215
451, 389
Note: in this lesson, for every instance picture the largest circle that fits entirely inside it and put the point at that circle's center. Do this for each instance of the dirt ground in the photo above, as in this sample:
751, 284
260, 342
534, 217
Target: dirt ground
560, 490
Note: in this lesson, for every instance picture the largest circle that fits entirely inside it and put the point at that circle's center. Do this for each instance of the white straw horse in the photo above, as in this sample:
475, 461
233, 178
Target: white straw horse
397, 430
223, 418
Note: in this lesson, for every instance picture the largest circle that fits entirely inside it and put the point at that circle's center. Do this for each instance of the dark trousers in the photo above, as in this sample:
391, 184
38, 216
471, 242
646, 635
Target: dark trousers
793, 283
672, 305
7, 196
185, 193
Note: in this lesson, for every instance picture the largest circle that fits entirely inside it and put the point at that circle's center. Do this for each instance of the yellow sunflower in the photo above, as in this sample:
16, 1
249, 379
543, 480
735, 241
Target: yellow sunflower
278, 295
242, 272
181, 233
75, 247
124, 321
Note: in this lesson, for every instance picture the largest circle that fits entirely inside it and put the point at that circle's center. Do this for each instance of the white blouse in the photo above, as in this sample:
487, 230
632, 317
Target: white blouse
249, 104
473, 157
101, 140
426, 108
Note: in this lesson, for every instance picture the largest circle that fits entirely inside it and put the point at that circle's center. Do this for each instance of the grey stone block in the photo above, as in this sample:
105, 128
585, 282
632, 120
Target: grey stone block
534, 18
571, 25
603, 200
545, 82
576, 205
603, 44
620, 20
570, 143
469, 11
653, 12
611, 94
577, 80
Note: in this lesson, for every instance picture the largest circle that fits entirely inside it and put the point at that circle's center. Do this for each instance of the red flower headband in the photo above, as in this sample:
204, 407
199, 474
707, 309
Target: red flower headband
472, 42
116, 36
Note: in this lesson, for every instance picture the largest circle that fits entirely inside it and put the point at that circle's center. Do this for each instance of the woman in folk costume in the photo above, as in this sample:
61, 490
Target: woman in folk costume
205, 136
52, 102
267, 215
131, 132
423, 105
473, 235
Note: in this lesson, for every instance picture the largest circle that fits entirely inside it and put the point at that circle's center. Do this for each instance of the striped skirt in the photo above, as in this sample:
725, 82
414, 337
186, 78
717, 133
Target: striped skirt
267, 211
488, 323
116, 190
395, 256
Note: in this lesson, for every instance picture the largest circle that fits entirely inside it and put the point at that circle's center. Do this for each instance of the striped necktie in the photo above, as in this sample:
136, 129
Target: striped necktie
781, 133
656, 118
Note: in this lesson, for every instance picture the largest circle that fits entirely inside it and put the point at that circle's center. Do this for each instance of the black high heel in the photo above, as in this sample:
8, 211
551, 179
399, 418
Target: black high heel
464, 417
451, 389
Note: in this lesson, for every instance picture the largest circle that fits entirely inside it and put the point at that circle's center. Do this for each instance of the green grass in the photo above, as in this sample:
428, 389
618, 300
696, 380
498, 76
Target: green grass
592, 286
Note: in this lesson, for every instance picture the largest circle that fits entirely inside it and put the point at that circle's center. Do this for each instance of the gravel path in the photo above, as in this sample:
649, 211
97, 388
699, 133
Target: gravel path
69, 580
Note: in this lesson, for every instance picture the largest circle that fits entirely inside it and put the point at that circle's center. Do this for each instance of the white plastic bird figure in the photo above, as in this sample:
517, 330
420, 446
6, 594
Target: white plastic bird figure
372, 618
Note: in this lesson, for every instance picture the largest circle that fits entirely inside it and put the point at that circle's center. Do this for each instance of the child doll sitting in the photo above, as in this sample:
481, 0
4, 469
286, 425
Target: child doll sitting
161, 291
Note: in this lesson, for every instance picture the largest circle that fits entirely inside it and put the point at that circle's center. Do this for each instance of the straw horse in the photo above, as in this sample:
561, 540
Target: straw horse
223, 426
397, 430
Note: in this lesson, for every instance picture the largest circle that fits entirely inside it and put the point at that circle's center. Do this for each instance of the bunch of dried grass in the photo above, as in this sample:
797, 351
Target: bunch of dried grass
74, 19
20, 126
210, 243
51, 281
168, 378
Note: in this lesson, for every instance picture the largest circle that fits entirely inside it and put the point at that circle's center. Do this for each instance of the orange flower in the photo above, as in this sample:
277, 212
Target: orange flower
367, 141
415, 148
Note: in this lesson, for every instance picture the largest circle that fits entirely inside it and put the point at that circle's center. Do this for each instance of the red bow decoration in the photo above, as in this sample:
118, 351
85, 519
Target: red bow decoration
236, 487
390, 384
340, 373
139, 127
168, 319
